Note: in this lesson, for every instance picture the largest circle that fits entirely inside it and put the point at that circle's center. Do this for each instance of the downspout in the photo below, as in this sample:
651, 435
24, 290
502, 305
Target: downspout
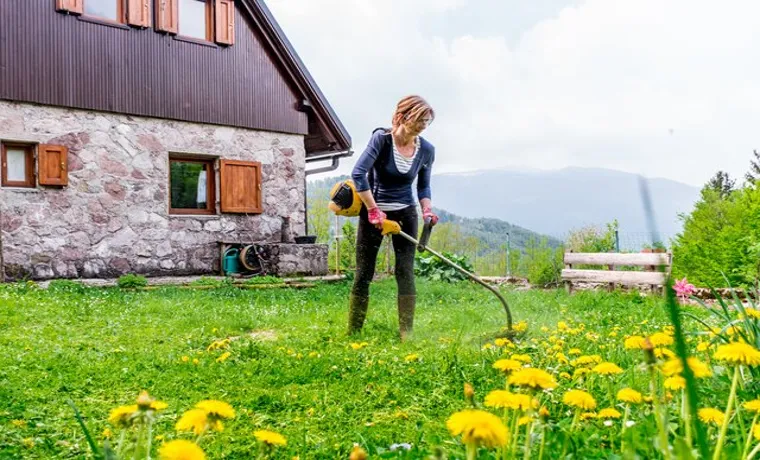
332, 167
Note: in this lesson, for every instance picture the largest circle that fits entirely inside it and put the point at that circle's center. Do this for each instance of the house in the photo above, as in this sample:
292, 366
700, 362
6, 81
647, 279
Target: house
138, 134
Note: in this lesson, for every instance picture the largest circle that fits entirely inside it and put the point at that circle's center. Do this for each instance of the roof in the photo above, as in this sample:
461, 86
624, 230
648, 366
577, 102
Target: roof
327, 134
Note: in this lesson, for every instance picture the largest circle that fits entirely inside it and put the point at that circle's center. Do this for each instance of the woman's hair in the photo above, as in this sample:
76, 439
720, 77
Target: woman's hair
411, 109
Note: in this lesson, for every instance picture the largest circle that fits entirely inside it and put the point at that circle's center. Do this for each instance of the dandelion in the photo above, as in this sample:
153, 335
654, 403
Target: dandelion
574, 351
675, 383
675, 366
358, 346
478, 428
185, 359
195, 361
710, 415
503, 342
521, 326
579, 399
181, 450
752, 313
752, 406
581, 371
216, 409
607, 369
629, 395
533, 378
661, 352
270, 437
500, 399
737, 354
123, 416
660, 339
197, 421
565, 375
357, 453
588, 415
412, 357
507, 365
521, 358
107, 433
561, 358
703, 346
586, 360
609, 413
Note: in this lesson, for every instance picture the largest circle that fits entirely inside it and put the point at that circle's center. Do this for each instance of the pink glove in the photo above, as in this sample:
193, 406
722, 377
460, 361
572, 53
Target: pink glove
376, 216
428, 213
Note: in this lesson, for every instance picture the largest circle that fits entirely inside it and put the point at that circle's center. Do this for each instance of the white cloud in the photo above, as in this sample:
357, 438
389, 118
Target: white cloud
661, 88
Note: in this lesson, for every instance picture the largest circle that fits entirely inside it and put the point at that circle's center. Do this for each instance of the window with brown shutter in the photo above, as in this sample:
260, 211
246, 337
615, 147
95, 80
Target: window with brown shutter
225, 21
17, 165
192, 188
241, 186
53, 164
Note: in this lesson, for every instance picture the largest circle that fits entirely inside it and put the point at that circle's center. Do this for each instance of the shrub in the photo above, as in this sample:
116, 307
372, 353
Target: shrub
67, 286
542, 264
131, 281
429, 266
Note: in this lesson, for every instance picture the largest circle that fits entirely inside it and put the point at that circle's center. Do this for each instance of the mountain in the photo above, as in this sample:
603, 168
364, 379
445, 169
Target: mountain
556, 202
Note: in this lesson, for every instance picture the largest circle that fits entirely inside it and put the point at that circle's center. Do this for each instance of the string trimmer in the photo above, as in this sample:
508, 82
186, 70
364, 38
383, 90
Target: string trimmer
393, 227
344, 201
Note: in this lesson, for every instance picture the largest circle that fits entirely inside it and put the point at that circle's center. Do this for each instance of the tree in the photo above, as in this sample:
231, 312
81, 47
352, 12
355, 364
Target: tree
754, 168
721, 183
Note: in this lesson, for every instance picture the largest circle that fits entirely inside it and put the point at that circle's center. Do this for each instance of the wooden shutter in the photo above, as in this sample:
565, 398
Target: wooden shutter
53, 164
71, 6
138, 13
225, 21
241, 186
167, 16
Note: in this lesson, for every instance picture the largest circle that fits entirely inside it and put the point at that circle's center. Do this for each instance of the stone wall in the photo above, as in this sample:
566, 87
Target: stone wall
113, 217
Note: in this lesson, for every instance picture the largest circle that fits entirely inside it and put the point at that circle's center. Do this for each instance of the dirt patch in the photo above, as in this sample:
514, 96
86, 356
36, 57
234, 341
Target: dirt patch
265, 336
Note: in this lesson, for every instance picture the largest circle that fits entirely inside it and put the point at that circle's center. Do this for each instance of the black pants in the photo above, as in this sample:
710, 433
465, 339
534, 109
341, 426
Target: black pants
368, 241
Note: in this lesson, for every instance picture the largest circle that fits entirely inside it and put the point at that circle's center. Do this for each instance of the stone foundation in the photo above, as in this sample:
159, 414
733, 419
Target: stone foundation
113, 217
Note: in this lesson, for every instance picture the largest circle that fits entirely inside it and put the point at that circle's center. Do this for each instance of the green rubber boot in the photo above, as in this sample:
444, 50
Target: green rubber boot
406, 305
357, 312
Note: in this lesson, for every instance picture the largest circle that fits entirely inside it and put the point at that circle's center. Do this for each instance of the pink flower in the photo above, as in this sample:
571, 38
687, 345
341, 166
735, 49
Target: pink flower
683, 288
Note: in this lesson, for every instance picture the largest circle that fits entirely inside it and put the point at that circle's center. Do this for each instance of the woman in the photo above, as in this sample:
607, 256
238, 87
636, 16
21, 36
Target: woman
383, 177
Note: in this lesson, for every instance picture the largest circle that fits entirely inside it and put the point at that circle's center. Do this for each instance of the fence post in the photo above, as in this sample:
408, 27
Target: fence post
617, 240
509, 261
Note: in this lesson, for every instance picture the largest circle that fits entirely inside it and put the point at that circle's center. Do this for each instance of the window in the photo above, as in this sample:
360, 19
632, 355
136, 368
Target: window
105, 9
191, 186
18, 165
195, 19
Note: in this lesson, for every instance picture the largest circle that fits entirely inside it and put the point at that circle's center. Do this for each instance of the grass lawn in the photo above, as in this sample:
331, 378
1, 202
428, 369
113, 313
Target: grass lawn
291, 368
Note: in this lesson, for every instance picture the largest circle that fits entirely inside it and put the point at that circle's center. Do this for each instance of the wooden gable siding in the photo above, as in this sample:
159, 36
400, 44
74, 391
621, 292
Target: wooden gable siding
57, 59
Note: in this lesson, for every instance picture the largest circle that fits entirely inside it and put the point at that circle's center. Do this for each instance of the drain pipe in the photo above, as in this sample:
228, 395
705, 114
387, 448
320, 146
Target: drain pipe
332, 167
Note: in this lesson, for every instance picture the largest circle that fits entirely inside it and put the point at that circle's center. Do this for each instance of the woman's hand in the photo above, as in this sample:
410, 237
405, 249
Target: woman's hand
376, 217
427, 213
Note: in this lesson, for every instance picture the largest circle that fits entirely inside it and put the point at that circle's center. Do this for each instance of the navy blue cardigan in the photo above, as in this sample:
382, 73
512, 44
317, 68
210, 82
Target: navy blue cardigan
388, 185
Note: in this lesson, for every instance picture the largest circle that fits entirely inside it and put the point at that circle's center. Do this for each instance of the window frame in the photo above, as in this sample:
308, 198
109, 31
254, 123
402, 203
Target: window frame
210, 163
210, 25
31, 176
121, 14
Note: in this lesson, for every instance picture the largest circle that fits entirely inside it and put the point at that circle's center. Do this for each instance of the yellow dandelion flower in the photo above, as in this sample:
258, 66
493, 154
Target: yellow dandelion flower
703, 346
612, 334
543, 412
698, 368
561, 358
18, 423
534, 378
357, 453
634, 342
588, 415
487, 346
197, 421
562, 326
358, 346
609, 413
738, 353
412, 357
565, 375
158, 405
218, 409
753, 406
507, 365
756, 432
521, 358
524, 420
574, 351
107, 433
123, 415
660, 339
669, 330
478, 428
499, 399
579, 399
675, 383
522, 326
710, 415
752, 313
185, 359
223, 357
607, 369
629, 395
270, 437
195, 361
502, 342
581, 371
181, 450
664, 353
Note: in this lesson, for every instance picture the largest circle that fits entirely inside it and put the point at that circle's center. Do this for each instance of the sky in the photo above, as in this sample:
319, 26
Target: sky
663, 88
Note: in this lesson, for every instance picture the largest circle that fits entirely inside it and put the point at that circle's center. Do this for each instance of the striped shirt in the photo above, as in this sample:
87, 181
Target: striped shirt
403, 164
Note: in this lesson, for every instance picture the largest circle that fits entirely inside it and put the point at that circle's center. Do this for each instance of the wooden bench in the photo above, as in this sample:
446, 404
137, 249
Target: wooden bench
651, 275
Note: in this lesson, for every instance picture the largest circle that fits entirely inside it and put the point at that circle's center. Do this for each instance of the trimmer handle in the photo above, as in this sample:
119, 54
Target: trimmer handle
427, 229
